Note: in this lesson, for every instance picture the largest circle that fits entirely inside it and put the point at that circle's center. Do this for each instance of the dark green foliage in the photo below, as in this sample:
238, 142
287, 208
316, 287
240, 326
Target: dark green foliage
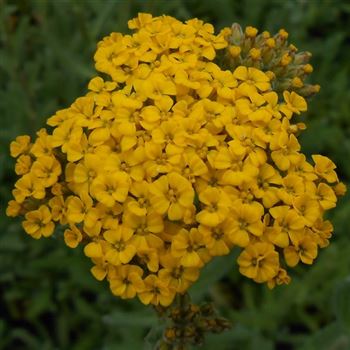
48, 298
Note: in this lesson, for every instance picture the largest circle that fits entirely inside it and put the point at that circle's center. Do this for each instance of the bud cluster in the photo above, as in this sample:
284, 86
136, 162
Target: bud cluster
187, 323
287, 68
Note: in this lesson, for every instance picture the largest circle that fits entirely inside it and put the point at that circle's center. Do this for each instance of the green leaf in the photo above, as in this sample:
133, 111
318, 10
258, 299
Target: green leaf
330, 337
130, 319
213, 272
341, 302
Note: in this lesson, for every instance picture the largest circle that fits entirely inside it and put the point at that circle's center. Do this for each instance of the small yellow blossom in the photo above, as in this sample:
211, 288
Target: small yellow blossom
20, 146
119, 250
189, 247
324, 168
176, 275
72, 236
111, 188
156, 291
171, 194
304, 248
23, 164
39, 222
259, 261
246, 221
126, 281
216, 207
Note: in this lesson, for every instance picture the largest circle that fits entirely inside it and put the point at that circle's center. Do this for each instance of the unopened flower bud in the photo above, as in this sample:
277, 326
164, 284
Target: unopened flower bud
297, 82
265, 34
236, 35
309, 90
285, 60
283, 34
255, 53
302, 57
308, 68
339, 189
170, 334
207, 309
270, 74
271, 43
293, 48
235, 51
251, 32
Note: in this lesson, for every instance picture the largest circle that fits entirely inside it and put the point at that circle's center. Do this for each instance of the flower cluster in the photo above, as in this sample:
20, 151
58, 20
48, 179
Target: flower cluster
169, 161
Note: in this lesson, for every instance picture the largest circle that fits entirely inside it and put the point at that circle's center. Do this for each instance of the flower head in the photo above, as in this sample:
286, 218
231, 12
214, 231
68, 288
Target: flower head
172, 159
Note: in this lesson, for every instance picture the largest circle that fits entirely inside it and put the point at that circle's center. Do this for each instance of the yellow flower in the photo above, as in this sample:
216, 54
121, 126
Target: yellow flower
101, 269
246, 221
66, 134
304, 248
302, 168
281, 278
42, 145
156, 292
324, 168
295, 103
252, 76
146, 229
308, 208
58, 209
323, 231
110, 188
28, 186
194, 166
216, 207
23, 164
169, 133
150, 257
153, 115
189, 247
85, 112
156, 86
109, 217
326, 196
94, 250
72, 236
171, 194
216, 239
266, 188
176, 275
292, 186
121, 250
88, 169
19, 146
47, 169
287, 224
139, 204
13, 209
286, 151
126, 281
77, 207
259, 261
39, 222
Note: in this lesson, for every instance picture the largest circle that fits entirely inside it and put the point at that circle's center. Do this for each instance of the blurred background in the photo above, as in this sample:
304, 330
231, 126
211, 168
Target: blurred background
48, 298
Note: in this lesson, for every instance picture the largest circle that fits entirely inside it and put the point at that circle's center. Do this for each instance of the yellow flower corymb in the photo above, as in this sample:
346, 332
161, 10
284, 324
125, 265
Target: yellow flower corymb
170, 160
